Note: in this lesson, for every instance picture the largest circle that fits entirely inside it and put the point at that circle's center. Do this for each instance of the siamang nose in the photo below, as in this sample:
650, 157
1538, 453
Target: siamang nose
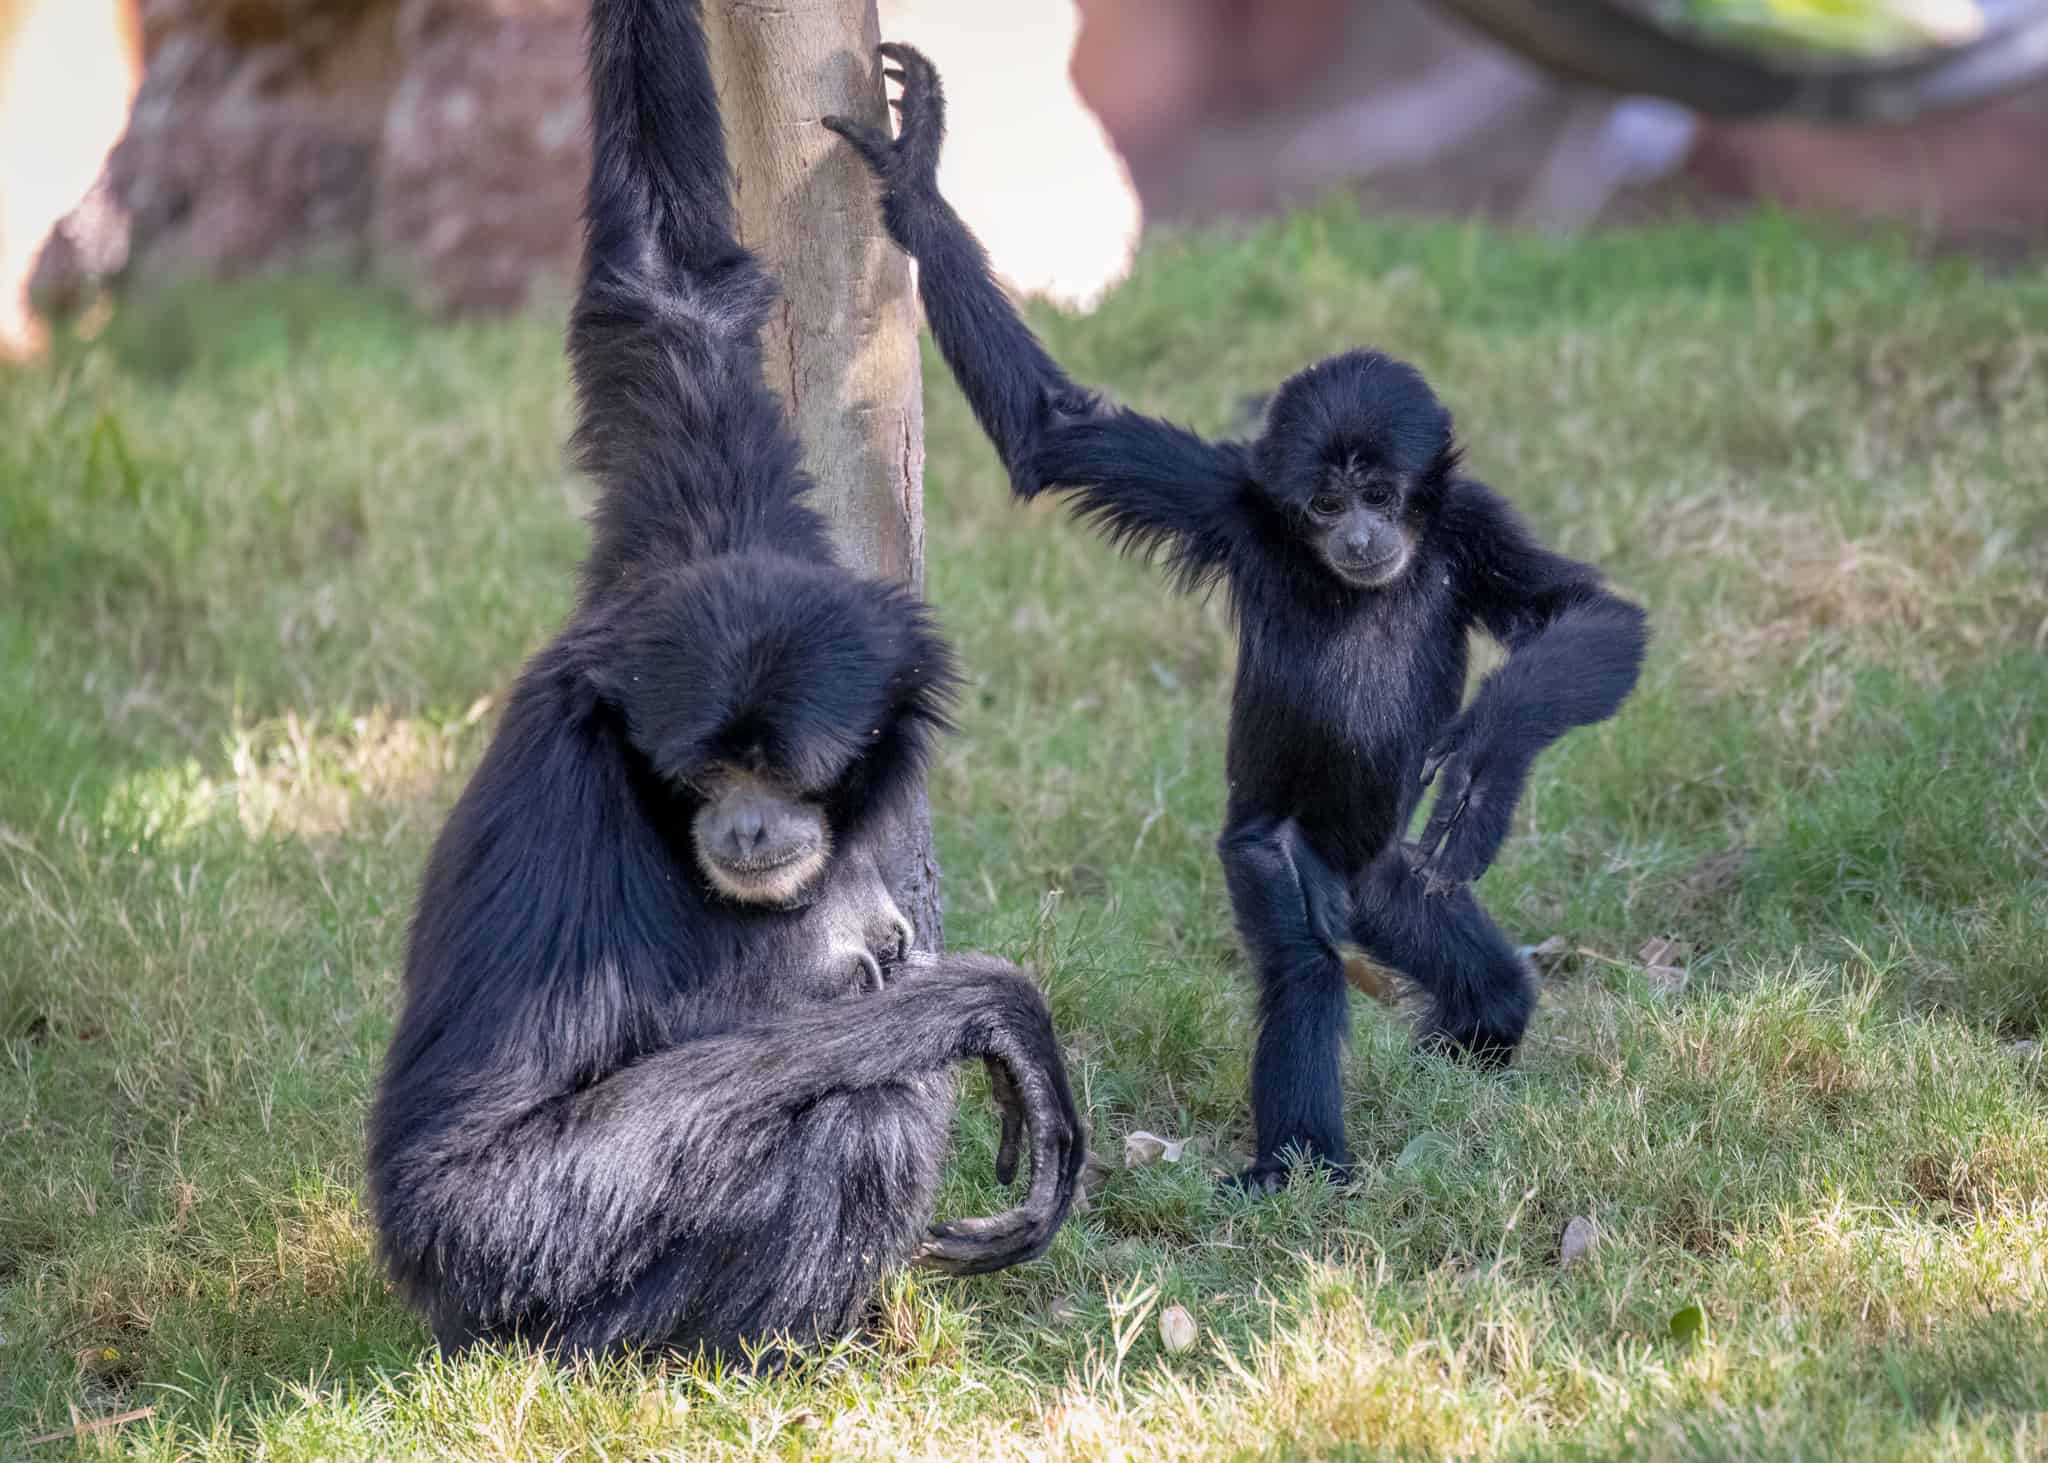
748, 829
1358, 543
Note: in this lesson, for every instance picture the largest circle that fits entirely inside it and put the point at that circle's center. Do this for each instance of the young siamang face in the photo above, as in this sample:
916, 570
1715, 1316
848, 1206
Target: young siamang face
1354, 450
1355, 522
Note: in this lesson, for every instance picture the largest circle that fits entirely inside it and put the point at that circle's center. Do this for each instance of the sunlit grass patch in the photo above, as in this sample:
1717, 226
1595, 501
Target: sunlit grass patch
269, 559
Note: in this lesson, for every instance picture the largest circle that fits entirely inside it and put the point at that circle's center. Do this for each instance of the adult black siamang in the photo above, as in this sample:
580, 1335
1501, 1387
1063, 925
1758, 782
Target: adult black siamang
1357, 557
666, 1072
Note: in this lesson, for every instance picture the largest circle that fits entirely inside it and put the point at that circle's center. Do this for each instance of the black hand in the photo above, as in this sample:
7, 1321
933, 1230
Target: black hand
910, 162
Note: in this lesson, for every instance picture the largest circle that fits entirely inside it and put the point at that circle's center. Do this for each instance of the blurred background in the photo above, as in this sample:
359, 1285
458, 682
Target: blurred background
440, 143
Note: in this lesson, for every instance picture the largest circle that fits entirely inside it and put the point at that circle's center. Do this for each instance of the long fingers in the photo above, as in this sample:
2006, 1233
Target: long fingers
975, 1246
1450, 806
872, 145
1011, 1105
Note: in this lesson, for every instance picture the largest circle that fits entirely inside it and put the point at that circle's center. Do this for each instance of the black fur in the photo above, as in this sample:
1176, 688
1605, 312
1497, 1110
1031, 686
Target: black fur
618, 1109
1347, 698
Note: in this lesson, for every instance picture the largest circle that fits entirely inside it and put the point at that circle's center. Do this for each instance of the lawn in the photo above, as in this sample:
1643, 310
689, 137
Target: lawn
269, 556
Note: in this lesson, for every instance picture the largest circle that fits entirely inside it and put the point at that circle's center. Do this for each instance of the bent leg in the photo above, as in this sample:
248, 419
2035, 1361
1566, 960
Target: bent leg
1479, 988
725, 1189
1276, 888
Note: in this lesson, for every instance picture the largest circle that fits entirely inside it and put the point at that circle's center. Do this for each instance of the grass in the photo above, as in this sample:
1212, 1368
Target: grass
267, 556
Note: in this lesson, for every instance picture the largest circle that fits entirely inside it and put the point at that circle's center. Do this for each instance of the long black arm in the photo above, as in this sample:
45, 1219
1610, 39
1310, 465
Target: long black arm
1146, 483
676, 423
1575, 650
755, 1146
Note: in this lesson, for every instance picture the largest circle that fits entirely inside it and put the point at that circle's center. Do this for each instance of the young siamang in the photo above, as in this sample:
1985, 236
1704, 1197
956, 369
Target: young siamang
666, 1073
1356, 557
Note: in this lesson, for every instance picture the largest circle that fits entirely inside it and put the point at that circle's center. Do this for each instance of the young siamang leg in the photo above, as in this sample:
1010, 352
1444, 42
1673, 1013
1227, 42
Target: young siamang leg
1446, 943
1304, 1011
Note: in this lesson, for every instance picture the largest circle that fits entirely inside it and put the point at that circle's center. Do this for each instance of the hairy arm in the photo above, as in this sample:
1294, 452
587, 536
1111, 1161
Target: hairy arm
1574, 649
715, 1133
1146, 483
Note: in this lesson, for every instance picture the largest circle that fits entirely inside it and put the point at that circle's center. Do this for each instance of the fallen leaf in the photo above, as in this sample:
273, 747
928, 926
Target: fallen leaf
1579, 1238
1664, 960
1177, 1329
1548, 955
1421, 1148
1095, 1173
1143, 1149
1369, 976
1663, 950
658, 1407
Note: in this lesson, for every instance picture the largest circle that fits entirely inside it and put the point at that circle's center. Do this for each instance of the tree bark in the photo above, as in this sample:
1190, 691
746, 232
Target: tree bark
843, 353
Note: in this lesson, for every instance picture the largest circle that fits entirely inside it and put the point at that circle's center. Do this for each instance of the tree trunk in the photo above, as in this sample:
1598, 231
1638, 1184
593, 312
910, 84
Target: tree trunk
843, 353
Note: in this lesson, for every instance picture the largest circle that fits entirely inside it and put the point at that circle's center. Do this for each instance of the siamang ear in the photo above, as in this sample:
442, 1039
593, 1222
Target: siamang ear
1438, 477
588, 672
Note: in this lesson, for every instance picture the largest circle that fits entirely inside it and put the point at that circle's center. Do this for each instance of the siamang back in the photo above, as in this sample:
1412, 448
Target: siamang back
666, 1071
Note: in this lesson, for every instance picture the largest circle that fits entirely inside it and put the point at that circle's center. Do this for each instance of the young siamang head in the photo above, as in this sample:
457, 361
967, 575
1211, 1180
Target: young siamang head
1356, 451
785, 702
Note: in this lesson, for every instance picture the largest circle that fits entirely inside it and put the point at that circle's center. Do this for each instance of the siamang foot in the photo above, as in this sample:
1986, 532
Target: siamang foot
1271, 1175
1487, 1037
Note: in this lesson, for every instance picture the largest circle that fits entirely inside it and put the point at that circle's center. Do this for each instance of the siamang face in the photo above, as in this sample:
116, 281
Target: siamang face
758, 840
784, 701
1356, 525
1355, 450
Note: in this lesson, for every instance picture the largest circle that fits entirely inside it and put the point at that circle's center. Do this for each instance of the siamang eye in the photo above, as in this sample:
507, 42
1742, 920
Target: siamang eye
1325, 505
1378, 495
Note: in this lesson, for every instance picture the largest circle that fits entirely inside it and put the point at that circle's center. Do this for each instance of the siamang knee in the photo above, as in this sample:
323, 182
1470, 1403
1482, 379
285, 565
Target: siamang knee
1481, 995
1290, 912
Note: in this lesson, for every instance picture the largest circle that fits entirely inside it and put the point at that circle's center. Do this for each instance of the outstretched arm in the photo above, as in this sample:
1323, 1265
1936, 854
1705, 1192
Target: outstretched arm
1148, 484
1574, 652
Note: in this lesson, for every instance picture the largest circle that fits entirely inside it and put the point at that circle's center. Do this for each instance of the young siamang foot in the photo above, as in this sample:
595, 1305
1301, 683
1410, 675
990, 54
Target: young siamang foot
1271, 1175
1487, 1036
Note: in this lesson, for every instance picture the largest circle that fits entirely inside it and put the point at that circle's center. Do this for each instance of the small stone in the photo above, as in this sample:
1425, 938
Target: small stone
1177, 1329
1580, 1235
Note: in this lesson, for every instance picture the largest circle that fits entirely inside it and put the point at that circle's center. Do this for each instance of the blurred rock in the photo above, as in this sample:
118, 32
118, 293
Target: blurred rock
441, 140
1975, 179
68, 70
484, 151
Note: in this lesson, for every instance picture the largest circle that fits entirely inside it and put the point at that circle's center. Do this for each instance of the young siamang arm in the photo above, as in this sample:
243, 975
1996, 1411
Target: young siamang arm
1574, 651
1146, 483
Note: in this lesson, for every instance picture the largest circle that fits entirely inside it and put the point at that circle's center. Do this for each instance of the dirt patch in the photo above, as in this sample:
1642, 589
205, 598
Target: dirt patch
1932, 582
